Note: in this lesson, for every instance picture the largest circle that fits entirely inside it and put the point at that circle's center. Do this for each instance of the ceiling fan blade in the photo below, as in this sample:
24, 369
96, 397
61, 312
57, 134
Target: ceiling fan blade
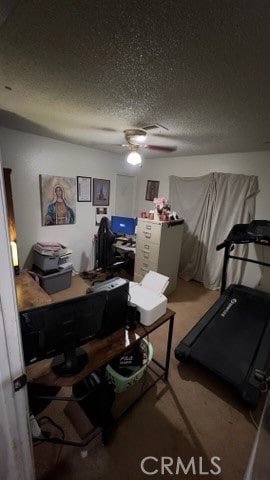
154, 126
161, 148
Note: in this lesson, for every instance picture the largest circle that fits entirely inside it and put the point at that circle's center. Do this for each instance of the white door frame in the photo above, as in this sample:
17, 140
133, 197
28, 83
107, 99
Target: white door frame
16, 455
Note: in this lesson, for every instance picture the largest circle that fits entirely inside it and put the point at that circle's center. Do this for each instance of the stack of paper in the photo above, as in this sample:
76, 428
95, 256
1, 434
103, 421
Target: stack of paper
156, 282
48, 248
52, 249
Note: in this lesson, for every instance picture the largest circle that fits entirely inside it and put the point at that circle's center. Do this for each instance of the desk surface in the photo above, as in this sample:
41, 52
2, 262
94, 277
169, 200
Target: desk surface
100, 351
29, 293
124, 248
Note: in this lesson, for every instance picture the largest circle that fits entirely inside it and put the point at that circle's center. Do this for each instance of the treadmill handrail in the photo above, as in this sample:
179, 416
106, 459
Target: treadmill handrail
251, 260
221, 245
228, 245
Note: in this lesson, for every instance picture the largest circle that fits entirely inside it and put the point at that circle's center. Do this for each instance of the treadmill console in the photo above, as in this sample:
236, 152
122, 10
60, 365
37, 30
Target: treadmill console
259, 230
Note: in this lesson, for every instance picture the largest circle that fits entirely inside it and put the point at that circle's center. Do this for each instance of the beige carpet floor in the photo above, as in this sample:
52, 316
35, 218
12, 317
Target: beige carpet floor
194, 418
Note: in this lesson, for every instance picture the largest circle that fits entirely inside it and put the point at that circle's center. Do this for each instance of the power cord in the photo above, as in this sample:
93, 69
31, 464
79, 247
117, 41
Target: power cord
50, 420
262, 376
43, 421
253, 420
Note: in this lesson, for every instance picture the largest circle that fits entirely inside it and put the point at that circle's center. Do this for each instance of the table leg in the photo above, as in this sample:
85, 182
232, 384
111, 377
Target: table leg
169, 345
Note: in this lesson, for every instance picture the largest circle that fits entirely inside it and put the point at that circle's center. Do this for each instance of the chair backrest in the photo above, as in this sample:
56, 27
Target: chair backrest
105, 239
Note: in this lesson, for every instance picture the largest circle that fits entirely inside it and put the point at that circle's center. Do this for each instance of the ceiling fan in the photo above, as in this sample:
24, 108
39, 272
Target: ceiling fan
136, 138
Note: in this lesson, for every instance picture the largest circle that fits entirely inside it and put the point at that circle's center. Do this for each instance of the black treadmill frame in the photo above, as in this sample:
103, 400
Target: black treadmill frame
251, 386
238, 235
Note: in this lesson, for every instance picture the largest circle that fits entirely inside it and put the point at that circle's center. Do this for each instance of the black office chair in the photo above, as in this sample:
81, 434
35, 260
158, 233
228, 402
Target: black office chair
106, 259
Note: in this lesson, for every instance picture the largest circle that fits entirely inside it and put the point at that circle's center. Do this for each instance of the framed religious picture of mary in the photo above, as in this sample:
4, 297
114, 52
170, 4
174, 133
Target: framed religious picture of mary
58, 200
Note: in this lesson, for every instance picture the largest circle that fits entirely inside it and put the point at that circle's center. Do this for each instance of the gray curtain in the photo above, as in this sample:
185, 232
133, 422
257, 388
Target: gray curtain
211, 205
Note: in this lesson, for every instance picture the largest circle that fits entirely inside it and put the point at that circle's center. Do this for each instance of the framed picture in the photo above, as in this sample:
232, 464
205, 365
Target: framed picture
151, 189
101, 212
58, 200
101, 192
84, 189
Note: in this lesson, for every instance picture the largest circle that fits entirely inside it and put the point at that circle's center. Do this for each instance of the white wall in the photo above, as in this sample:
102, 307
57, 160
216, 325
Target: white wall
30, 155
254, 163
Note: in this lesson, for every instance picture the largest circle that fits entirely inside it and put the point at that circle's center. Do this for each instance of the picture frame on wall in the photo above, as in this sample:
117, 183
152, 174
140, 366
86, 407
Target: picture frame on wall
83, 189
152, 187
100, 213
58, 200
101, 192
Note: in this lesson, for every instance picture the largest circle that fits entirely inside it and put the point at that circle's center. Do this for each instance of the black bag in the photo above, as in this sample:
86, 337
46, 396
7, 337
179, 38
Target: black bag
99, 398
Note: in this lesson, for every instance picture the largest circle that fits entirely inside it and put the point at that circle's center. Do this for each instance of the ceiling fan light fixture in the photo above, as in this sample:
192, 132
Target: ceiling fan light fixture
134, 158
135, 136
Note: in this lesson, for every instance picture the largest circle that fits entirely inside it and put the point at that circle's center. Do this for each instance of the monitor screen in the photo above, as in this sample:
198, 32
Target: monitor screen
124, 225
57, 329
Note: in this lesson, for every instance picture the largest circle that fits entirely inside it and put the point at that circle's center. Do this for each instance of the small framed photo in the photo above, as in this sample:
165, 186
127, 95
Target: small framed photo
101, 212
151, 189
101, 192
84, 189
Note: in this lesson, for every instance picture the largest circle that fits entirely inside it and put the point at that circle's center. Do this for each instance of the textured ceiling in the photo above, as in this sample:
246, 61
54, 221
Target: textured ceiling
84, 70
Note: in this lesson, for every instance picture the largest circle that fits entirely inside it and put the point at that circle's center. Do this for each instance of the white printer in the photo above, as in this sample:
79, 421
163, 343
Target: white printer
148, 297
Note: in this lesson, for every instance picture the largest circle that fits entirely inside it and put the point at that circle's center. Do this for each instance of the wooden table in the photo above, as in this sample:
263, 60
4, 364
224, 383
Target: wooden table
29, 293
100, 351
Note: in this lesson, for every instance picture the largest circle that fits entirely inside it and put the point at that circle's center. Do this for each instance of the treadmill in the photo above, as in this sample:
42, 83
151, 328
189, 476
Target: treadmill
232, 339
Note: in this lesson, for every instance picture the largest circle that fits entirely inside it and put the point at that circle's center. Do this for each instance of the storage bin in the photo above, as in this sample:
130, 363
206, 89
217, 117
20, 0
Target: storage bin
120, 382
54, 282
45, 262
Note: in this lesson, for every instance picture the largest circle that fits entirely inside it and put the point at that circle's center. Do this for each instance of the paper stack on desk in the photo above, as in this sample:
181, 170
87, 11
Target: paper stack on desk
155, 282
48, 248
148, 297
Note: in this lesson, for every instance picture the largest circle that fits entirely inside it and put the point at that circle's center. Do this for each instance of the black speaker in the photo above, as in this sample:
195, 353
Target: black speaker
116, 305
98, 397
133, 316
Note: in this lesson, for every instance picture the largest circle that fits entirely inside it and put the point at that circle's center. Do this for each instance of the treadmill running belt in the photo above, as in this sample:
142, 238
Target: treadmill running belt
233, 338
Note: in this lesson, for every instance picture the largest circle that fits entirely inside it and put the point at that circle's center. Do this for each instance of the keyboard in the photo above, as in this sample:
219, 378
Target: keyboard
121, 239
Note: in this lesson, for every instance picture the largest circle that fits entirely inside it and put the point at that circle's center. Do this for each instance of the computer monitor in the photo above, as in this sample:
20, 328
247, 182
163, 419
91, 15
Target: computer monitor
57, 329
123, 225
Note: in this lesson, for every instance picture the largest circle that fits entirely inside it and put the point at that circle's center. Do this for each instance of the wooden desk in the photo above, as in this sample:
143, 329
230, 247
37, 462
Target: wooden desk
128, 253
29, 293
124, 248
100, 351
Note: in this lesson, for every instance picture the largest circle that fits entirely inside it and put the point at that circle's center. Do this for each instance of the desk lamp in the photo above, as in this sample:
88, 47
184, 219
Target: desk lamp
14, 255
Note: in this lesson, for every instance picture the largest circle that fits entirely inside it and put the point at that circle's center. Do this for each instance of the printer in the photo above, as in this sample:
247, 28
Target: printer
148, 297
